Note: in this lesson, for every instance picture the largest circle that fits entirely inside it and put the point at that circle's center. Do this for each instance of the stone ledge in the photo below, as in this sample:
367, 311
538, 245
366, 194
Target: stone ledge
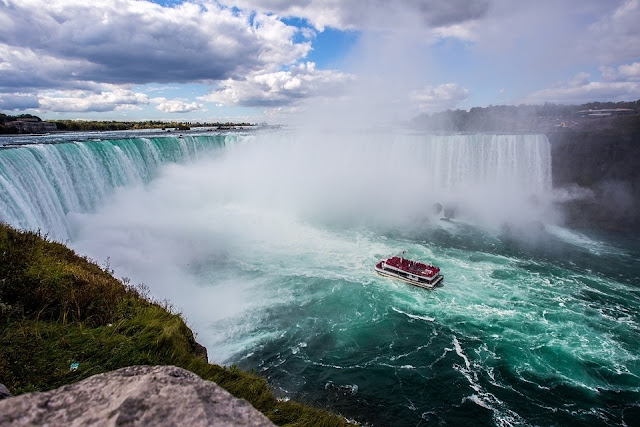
136, 395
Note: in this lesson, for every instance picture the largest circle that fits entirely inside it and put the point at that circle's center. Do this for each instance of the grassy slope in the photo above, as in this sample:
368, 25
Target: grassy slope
57, 308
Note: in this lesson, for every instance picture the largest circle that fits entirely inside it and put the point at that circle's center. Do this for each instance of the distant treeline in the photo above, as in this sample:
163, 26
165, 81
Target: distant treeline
539, 118
85, 125
105, 125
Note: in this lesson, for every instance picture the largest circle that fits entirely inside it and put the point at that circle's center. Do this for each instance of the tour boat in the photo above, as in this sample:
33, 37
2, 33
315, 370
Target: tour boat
412, 272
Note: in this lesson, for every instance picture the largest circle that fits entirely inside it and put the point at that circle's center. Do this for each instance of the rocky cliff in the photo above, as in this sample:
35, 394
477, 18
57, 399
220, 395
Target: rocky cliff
600, 175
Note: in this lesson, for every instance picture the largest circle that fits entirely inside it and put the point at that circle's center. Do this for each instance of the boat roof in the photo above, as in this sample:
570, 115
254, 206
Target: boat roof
413, 267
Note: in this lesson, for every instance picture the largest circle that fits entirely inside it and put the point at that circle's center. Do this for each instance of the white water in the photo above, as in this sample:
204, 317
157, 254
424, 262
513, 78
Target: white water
41, 184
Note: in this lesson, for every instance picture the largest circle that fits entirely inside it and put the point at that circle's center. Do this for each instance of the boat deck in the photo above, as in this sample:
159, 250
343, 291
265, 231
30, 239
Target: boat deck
412, 272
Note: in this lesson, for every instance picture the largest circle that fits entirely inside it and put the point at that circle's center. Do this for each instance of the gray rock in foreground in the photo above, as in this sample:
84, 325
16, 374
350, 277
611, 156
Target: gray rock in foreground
4, 392
136, 395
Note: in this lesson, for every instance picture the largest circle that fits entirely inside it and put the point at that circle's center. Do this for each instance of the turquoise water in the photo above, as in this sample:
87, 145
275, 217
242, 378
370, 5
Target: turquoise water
267, 243
512, 337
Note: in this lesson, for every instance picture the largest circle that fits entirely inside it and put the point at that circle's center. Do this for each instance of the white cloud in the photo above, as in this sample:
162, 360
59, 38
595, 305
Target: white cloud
441, 97
95, 52
368, 14
24, 68
631, 71
466, 31
81, 56
615, 37
586, 92
580, 79
608, 73
128, 41
177, 106
624, 72
114, 98
18, 101
619, 84
280, 88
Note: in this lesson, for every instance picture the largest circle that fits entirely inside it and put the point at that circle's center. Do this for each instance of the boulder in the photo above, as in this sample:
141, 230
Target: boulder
449, 212
4, 392
136, 395
437, 208
200, 351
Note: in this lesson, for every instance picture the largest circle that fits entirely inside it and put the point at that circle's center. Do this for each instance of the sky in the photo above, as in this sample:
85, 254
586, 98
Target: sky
285, 61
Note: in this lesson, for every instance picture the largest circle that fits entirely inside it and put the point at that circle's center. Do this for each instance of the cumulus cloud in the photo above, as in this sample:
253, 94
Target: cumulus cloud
608, 73
441, 97
366, 14
280, 88
54, 53
177, 105
580, 79
127, 41
83, 101
16, 102
624, 72
581, 90
616, 36
630, 71
25, 69
466, 31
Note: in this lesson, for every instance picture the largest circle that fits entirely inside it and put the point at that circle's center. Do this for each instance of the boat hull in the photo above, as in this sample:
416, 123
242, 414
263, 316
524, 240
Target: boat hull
425, 285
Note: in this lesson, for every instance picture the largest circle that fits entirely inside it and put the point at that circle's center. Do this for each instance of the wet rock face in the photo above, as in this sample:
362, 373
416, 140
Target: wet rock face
136, 395
586, 158
604, 165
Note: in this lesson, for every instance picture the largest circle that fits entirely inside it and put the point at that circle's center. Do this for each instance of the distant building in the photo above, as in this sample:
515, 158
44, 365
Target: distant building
32, 125
605, 112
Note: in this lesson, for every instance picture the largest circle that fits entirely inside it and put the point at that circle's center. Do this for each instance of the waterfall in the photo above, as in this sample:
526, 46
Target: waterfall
519, 162
387, 178
41, 183
318, 175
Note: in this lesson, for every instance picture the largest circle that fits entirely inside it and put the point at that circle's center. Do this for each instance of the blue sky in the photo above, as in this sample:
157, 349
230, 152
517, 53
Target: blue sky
293, 60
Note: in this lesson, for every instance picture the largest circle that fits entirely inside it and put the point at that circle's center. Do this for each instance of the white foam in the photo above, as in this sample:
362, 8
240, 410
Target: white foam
459, 352
582, 240
414, 316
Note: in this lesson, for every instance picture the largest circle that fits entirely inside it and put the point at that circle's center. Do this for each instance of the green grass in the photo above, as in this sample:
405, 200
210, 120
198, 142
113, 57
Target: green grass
57, 308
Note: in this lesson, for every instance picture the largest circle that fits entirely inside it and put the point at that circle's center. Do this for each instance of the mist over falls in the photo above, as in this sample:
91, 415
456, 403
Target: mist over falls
162, 210
41, 184
491, 178
267, 241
